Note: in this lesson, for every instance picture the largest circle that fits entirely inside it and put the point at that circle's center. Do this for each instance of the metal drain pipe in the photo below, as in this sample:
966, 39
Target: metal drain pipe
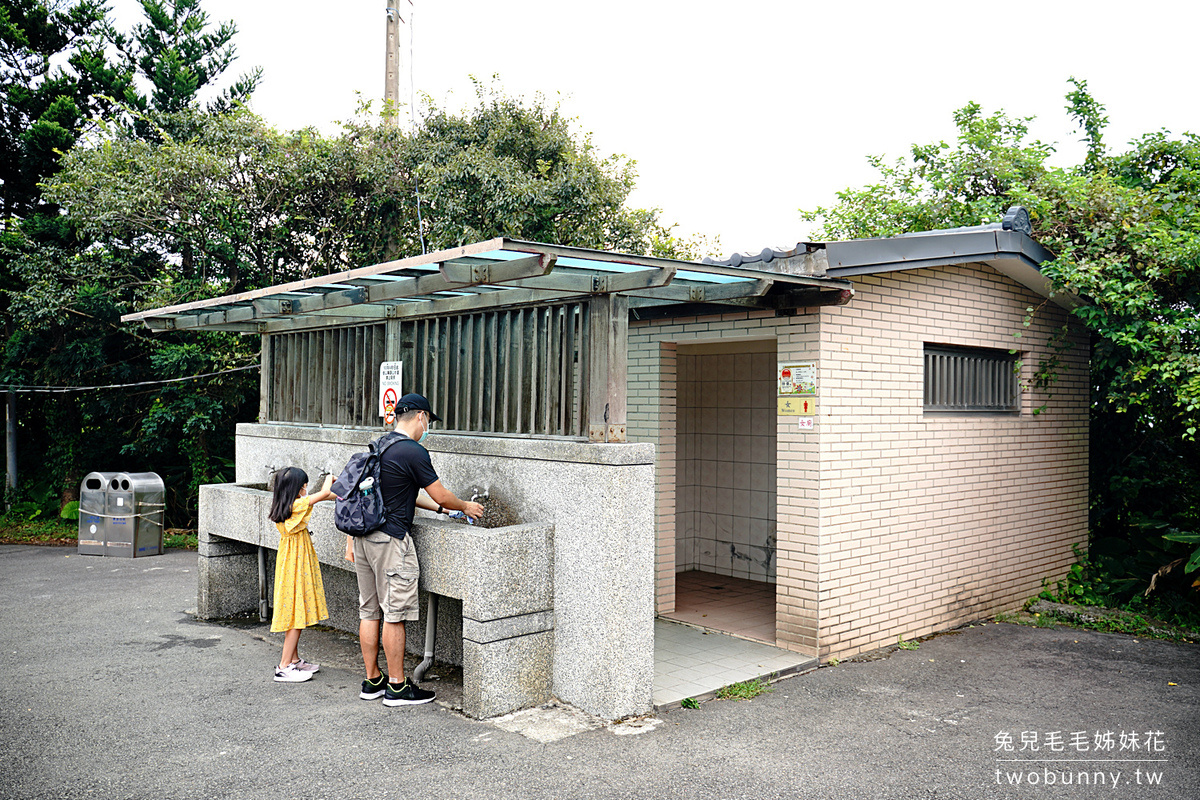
262, 584
431, 609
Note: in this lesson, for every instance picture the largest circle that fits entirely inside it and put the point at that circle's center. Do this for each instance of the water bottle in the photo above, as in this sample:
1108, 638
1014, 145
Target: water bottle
367, 486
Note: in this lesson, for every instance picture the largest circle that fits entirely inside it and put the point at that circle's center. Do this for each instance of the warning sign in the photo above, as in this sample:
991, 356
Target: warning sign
389, 388
797, 406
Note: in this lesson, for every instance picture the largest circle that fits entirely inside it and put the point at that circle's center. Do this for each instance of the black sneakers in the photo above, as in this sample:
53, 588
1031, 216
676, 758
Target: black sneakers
406, 694
373, 689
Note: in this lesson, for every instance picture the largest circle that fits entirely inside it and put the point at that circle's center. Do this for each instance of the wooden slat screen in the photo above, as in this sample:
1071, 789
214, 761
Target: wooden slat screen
516, 371
328, 376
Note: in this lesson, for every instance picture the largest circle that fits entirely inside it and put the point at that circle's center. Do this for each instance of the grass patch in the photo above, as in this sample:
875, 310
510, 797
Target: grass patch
65, 533
53, 532
903, 645
689, 702
1045, 614
1107, 593
1111, 620
180, 539
746, 690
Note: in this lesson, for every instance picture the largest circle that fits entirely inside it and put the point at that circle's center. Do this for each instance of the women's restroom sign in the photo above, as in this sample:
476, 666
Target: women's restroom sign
389, 389
798, 391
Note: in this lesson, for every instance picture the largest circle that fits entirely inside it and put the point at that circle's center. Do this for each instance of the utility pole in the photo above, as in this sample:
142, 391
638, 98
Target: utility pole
391, 89
10, 426
399, 13
391, 85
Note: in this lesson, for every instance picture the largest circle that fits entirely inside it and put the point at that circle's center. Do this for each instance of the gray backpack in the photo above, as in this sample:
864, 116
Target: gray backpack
359, 509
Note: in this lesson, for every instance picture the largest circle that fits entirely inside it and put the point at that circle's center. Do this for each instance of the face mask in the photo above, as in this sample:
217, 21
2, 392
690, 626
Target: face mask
424, 435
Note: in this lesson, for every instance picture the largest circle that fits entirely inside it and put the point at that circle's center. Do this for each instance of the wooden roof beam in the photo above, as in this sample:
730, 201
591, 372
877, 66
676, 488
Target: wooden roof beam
708, 293
272, 307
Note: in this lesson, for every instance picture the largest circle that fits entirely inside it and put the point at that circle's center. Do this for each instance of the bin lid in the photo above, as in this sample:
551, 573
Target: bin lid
94, 481
139, 482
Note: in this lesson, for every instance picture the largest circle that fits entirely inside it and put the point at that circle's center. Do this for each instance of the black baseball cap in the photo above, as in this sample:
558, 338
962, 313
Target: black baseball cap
415, 402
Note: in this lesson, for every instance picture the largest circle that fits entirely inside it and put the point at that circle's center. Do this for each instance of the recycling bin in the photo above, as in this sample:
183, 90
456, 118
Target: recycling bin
130, 524
135, 515
93, 506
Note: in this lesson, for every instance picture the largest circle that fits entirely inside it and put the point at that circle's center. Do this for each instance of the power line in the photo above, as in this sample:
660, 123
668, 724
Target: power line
19, 389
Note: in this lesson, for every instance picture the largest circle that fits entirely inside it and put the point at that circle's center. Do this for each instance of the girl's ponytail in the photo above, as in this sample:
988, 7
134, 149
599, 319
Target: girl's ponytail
288, 482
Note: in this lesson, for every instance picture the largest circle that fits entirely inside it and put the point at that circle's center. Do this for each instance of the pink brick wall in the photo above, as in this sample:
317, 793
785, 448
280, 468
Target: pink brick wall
929, 520
893, 522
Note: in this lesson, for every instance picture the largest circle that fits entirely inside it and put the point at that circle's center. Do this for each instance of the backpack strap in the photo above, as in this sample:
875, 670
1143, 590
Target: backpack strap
386, 446
378, 455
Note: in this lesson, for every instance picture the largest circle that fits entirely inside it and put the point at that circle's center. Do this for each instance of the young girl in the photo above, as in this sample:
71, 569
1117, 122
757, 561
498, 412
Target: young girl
299, 593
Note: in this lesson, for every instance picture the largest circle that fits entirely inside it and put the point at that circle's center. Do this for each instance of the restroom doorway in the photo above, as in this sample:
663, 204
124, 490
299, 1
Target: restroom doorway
725, 523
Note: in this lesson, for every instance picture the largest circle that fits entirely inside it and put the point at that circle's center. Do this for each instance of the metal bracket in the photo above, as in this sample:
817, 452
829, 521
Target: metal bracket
696, 294
285, 306
392, 312
599, 434
481, 273
600, 284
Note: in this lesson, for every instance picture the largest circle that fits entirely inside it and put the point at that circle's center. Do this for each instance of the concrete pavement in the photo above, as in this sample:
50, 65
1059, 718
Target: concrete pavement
111, 689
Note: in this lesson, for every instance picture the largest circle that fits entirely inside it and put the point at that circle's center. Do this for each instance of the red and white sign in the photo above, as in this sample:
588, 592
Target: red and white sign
390, 373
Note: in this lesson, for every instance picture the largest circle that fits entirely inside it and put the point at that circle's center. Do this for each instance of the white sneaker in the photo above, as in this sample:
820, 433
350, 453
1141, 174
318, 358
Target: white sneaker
290, 674
301, 664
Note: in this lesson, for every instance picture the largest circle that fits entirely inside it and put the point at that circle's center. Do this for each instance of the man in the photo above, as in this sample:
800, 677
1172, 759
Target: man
385, 560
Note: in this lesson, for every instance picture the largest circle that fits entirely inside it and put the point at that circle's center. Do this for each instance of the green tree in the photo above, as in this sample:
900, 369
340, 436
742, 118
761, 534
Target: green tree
64, 288
505, 167
179, 53
53, 76
232, 204
189, 204
1125, 231
65, 312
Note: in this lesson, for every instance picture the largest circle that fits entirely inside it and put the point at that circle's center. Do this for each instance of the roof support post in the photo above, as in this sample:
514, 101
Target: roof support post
608, 357
264, 379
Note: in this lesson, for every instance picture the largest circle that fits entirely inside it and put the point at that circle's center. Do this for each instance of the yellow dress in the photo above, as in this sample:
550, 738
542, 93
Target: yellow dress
299, 592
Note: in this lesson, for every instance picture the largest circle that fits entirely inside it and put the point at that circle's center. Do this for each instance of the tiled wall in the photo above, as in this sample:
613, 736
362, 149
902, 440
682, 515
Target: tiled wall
652, 417
725, 462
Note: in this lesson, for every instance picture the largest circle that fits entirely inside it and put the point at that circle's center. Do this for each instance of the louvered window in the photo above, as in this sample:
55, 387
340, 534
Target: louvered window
970, 379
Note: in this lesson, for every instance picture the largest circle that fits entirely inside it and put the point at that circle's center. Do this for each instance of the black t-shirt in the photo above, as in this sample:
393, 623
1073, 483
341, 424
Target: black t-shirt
404, 470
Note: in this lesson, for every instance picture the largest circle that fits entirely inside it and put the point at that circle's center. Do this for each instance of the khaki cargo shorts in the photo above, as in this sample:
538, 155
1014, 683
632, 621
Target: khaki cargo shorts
388, 574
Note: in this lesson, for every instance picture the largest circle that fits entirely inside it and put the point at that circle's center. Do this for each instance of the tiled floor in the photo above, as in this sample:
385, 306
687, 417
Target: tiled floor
731, 605
689, 662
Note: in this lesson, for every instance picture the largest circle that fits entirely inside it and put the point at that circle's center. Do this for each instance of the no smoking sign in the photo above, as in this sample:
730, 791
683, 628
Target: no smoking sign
390, 373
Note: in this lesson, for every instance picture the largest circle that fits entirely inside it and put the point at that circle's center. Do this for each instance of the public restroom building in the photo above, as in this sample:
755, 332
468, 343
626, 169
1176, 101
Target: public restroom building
855, 441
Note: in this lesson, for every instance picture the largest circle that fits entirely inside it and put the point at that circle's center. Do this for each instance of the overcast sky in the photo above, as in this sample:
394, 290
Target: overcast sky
738, 113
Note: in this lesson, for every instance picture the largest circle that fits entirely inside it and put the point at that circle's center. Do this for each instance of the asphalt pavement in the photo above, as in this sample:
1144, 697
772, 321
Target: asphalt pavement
110, 688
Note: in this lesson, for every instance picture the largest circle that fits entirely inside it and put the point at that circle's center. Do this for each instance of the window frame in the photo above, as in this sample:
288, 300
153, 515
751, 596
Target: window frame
970, 380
